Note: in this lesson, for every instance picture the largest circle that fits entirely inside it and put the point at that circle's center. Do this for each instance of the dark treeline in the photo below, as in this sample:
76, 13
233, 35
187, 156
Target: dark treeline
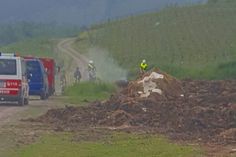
219, 1
14, 32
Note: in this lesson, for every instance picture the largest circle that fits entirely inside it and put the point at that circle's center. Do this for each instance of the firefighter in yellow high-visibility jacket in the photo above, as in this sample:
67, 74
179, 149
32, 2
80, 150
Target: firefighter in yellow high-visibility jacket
143, 66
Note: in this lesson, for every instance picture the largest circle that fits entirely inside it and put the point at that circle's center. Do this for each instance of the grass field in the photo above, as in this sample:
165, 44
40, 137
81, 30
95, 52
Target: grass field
35, 47
116, 145
88, 92
189, 42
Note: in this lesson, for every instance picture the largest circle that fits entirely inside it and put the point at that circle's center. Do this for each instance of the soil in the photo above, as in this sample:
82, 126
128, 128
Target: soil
186, 110
154, 113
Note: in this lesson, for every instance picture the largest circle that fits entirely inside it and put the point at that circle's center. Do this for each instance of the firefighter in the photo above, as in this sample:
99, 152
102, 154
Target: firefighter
63, 81
143, 66
77, 75
91, 71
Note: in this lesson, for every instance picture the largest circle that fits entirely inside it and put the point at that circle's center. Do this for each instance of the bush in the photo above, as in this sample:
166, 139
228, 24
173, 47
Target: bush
89, 91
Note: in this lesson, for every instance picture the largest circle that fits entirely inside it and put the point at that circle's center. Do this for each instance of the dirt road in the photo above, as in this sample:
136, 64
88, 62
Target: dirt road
65, 47
12, 129
11, 114
6, 113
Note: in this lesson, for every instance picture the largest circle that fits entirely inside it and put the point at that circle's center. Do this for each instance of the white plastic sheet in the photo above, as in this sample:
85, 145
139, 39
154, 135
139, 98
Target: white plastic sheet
149, 85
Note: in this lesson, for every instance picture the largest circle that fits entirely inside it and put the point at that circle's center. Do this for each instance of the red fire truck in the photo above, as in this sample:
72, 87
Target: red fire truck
49, 65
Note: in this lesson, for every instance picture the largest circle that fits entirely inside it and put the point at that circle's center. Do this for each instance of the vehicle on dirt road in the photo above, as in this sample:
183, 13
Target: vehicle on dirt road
49, 65
37, 78
13, 79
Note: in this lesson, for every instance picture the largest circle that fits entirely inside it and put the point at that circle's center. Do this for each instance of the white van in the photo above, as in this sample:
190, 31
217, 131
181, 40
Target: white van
13, 79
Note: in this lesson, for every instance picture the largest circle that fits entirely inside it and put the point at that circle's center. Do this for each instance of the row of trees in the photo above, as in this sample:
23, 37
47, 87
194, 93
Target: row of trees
218, 1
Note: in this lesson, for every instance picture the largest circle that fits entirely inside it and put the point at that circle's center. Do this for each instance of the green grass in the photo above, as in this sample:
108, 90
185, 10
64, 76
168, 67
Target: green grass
118, 145
18, 31
187, 42
88, 91
40, 47
227, 70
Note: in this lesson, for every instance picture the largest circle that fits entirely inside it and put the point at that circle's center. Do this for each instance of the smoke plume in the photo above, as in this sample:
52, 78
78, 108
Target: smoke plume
107, 68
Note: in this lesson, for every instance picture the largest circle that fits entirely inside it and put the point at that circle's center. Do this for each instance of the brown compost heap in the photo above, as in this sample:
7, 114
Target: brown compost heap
186, 110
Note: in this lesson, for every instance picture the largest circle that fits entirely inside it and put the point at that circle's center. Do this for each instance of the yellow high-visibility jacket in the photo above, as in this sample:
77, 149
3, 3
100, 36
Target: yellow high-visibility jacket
143, 66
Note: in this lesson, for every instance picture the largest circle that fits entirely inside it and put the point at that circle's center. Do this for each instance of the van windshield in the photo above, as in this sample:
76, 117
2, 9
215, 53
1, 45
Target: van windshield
34, 71
33, 66
7, 67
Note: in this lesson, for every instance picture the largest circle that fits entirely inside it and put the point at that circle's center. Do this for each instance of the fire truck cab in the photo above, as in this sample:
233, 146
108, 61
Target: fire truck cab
13, 79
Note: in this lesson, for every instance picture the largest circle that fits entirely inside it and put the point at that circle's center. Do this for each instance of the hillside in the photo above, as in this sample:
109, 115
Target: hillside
78, 12
19, 31
36, 47
188, 42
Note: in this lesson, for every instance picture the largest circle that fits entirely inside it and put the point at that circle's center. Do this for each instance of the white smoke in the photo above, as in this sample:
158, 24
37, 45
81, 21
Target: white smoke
107, 68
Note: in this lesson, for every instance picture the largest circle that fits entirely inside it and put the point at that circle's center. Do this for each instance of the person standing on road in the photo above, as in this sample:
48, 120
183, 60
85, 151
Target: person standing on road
77, 75
63, 81
143, 66
91, 71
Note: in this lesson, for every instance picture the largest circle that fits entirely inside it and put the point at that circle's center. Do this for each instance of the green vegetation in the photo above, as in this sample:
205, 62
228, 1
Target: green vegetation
87, 91
19, 31
122, 145
35, 47
187, 42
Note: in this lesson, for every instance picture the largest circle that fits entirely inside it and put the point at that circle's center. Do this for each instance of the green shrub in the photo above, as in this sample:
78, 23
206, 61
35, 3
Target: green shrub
89, 91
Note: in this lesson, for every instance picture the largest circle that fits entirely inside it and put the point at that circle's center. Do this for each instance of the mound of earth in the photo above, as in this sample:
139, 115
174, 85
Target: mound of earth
155, 83
189, 110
